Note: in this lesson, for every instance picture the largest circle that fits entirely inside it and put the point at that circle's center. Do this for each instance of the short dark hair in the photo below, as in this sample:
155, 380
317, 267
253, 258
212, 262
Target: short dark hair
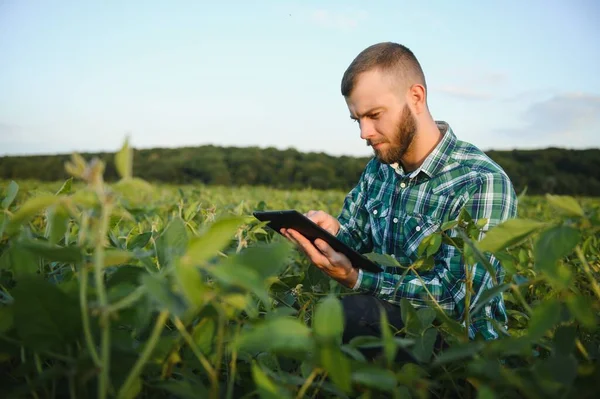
388, 57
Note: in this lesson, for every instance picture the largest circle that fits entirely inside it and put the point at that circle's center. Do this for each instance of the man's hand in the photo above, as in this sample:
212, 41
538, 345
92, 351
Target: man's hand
336, 265
324, 220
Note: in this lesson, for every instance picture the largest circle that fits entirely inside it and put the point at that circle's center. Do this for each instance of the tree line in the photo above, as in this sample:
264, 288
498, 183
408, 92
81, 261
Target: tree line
551, 170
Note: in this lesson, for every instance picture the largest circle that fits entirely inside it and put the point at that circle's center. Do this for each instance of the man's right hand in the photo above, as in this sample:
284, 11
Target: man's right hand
324, 220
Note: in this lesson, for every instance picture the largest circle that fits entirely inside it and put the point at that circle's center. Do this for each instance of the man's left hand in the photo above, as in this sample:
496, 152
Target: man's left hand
335, 264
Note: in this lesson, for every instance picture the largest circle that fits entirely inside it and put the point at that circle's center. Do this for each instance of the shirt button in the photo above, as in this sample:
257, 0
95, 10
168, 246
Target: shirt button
395, 220
402, 185
375, 212
418, 228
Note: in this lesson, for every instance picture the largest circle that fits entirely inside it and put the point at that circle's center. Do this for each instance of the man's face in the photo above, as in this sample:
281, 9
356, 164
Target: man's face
386, 121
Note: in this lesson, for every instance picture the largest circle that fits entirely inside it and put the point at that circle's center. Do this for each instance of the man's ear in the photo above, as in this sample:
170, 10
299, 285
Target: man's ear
417, 97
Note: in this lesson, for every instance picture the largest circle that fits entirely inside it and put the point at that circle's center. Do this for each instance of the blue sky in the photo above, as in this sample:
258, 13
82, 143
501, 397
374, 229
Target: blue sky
81, 75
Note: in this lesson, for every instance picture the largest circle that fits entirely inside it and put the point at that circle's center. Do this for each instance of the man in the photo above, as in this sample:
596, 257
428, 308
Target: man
421, 176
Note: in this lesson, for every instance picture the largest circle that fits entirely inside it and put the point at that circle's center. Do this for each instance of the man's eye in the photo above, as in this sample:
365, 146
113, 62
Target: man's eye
374, 116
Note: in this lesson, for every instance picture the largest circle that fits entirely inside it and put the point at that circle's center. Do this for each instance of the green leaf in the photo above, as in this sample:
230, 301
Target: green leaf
375, 378
488, 294
485, 392
158, 290
389, 345
52, 252
21, 261
508, 233
564, 339
172, 243
58, 220
45, 317
430, 244
66, 187
267, 260
267, 389
582, 309
217, 236
29, 209
114, 257
382, 259
565, 204
544, 316
553, 245
242, 277
410, 318
11, 193
337, 366
328, 319
204, 333
191, 283
459, 352
282, 335
449, 225
426, 316
423, 348
6, 319
124, 160
139, 241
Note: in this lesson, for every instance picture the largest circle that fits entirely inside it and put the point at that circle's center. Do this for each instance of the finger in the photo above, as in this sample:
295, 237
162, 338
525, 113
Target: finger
313, 253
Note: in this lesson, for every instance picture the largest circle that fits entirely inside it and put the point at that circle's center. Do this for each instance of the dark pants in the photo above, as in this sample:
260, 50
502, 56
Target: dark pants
362, 318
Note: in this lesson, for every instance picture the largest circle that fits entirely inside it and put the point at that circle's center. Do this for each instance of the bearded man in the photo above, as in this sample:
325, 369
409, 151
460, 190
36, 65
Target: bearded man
422, 176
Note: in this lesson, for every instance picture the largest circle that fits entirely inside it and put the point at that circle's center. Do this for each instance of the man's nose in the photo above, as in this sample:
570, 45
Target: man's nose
367, 130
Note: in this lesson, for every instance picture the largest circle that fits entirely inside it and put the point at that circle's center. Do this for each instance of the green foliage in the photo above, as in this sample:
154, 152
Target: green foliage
552, 170
134, 290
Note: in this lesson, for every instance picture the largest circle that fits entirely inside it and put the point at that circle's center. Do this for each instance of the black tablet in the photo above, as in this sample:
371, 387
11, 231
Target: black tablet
292, 219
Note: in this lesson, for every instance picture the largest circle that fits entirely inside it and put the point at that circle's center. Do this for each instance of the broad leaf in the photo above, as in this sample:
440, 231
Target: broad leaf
553, 245
53, 252
11, 193
158, 290
545, 316
375, 378
565, 204
337, 365
488, 294
139, 241
282, 335
29, 209
45, 317
217, 236
66, 187
423, 348
459, 352
124, 161
267, 389
328, 319
508, 233
172, 243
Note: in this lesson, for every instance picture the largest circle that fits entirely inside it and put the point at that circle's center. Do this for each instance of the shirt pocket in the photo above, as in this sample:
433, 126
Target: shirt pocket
415, 227
378, 212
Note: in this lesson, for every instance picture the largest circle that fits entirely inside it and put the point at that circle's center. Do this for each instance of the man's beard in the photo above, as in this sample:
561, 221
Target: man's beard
401, 141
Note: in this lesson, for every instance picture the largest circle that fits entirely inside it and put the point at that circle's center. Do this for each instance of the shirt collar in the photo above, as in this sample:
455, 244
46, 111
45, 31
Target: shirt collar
437, 158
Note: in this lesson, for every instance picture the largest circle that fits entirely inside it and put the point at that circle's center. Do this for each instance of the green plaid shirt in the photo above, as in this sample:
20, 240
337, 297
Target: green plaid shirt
390, 212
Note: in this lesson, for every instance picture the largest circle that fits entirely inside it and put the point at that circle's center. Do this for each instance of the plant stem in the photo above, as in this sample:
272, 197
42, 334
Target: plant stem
102, 298
307, 383
586, 269
201, 358
220, 339
89, 340
233, 366
127, 301
517, 293
152, 341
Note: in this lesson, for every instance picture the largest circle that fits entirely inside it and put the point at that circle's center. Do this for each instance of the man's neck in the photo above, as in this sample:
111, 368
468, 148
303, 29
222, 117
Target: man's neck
426, 139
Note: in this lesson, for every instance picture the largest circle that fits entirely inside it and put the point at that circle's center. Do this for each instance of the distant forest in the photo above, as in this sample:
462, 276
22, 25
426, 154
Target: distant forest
552, 170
